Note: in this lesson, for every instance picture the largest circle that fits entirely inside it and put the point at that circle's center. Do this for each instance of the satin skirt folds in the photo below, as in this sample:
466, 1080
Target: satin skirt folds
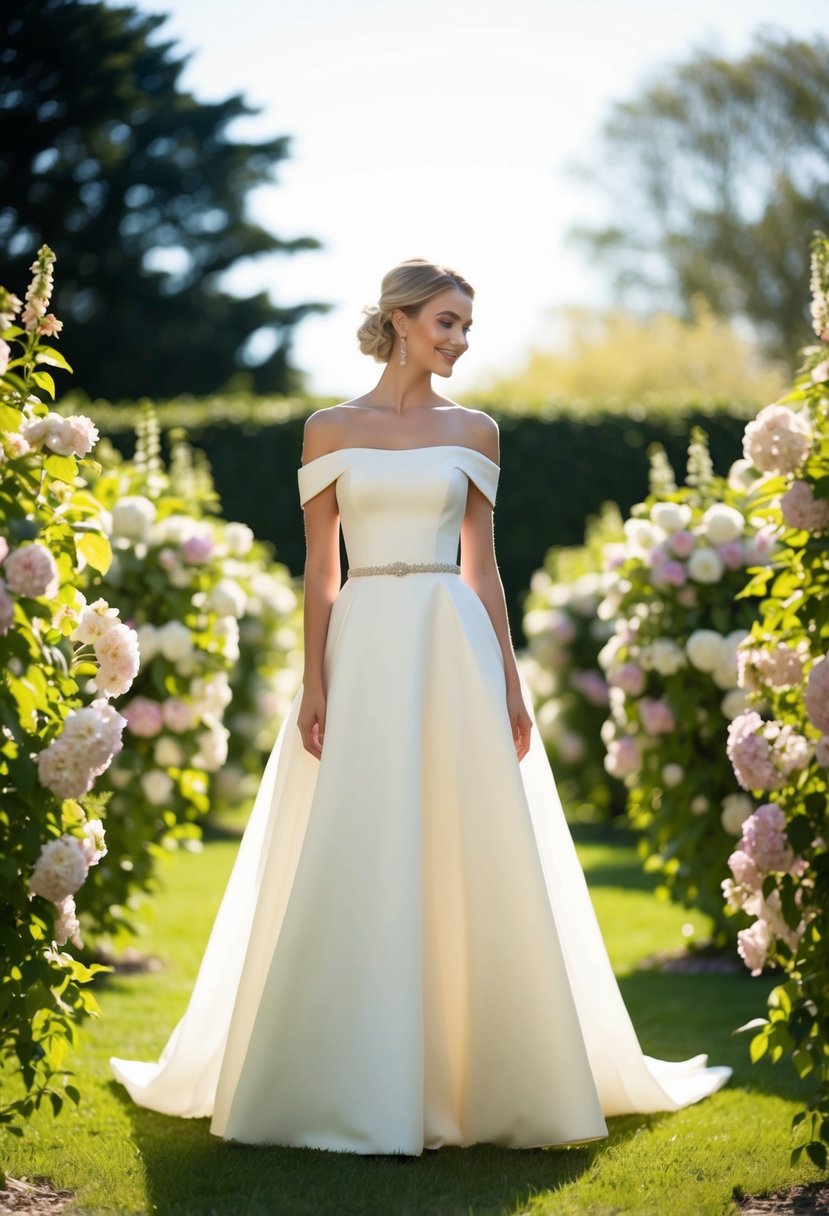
406, 955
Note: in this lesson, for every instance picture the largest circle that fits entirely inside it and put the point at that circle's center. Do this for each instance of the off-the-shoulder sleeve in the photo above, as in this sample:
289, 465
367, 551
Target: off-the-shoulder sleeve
319, 473
480, 469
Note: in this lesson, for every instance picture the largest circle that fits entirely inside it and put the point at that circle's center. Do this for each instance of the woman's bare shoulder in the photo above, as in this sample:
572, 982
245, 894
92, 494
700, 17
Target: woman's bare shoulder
325, 430
478, 430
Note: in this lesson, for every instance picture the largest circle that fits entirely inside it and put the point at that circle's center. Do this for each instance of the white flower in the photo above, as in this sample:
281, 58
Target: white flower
734, 703
157, 786
117, 653
227, 629
95, 620
60, 869
704, 648
66, 925
238, 538
94, 843
699, 805
778, 440
178, 715
72, 436
736, 808
212, 751
167, 753
663, 656
705, 566
723, 524
147, 642
228, 599
741, 476
133, 516
642, 534
671, 516
174, 640
211, 694
672, 774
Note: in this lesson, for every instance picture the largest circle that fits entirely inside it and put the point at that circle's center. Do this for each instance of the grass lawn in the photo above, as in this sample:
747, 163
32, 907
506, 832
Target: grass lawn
119, 1158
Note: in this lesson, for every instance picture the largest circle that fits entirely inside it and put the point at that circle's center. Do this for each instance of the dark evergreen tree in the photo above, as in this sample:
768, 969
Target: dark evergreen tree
717, 175
142, 192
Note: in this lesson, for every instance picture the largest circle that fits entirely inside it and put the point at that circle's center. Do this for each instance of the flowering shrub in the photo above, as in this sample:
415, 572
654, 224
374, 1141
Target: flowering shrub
54, 747
671, 667
187, 580
561, 666
779, 746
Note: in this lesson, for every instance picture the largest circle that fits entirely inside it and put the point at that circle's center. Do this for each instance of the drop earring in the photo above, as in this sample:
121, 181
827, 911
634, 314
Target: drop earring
402, 352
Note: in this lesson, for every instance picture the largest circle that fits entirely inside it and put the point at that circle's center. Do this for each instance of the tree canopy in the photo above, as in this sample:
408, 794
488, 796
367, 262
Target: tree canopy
717, 175
141, 190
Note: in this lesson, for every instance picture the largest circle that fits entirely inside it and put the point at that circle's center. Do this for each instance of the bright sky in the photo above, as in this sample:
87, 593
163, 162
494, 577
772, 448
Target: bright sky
439, 129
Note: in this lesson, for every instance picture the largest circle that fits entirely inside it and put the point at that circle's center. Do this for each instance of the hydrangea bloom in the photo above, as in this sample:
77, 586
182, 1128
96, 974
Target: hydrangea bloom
753, 946
764, 754
764, 839
778, 667
778, 440
90, 738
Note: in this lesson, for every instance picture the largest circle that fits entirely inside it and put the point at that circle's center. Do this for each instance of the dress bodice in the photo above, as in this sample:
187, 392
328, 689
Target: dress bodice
400, 504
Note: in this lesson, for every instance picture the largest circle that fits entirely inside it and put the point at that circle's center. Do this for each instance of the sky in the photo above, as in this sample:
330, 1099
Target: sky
444, 129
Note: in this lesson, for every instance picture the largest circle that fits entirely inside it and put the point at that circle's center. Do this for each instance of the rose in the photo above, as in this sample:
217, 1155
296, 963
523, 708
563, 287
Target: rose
60, 870
704, 649
133, 516
623, 757
722, 524
817, 695
228, 598
117, 653
802, 510
75, 435
157, 786
178, 715
656, 716
32, 571
778, 440
175, 641
670, 516
705, 566
144, 717
682, 543
95, 620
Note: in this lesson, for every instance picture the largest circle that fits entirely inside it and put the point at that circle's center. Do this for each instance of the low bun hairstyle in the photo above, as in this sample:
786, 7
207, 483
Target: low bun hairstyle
407, 286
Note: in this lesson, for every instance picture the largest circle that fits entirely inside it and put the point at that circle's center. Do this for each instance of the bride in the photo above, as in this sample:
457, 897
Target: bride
406, 955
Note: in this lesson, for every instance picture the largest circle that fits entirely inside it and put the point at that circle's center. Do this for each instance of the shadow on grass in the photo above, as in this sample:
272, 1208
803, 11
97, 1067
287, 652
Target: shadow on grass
193, 1173
678, 1015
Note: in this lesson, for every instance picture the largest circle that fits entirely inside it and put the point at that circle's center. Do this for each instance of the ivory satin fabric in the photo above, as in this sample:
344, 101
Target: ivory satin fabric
406, 955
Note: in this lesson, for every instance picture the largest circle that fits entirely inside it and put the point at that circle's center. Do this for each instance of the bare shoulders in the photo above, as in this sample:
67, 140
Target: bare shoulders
344, 425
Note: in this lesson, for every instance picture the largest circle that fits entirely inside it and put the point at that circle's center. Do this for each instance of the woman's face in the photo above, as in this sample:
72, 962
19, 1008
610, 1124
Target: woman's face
437, 338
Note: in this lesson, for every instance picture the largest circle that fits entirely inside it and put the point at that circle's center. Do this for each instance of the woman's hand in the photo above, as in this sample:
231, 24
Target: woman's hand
311, 720
520, 721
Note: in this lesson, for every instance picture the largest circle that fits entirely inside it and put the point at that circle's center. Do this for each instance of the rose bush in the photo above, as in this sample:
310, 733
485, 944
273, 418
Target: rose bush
54, 649
201, 594
671, 668
779, 746
560, 663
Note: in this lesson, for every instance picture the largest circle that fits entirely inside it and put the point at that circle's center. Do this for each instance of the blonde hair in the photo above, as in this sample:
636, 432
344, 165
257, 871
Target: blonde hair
407, 286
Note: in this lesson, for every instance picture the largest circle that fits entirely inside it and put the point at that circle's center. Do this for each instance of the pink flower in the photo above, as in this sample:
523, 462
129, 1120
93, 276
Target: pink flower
764, 839
50, 325
67, 927
745, 871
75, 435
623, 757
750, 754
802, 510
32, 571
117, 653
817, 695
629, 677
753, 945
674, 574
656, 716
758, 547
778, 667
682, 543
197, 548
178, 715
5, 355
591, 686
822, 751
732, 554
145, 718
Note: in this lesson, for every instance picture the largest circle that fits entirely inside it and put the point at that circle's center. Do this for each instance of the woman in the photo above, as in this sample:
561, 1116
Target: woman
406, 955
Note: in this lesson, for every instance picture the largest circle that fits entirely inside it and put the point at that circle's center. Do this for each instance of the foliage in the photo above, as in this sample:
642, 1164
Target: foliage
672, 670
148, 189
780, 870
713, 173
189, 582
617, 356
52, 647
570, 693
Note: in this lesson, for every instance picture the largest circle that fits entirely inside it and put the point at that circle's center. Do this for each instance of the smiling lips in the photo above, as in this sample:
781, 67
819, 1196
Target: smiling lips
448, 354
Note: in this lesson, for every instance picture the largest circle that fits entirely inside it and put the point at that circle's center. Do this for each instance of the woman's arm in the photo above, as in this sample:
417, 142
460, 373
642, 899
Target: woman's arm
479, 568
322, 584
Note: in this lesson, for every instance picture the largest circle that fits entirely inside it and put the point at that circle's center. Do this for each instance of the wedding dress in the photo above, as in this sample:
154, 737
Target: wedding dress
406, 955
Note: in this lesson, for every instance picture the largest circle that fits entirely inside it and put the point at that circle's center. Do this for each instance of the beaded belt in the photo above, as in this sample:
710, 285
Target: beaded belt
405, 568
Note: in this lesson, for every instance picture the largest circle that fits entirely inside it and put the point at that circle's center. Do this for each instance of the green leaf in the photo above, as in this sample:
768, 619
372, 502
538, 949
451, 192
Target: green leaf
758, 1047
96, 548
10, 418
53, 358
64, 468
46, 382
816, 1153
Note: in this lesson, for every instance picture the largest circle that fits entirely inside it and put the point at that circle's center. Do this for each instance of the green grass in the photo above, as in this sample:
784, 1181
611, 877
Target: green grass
119, 1158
